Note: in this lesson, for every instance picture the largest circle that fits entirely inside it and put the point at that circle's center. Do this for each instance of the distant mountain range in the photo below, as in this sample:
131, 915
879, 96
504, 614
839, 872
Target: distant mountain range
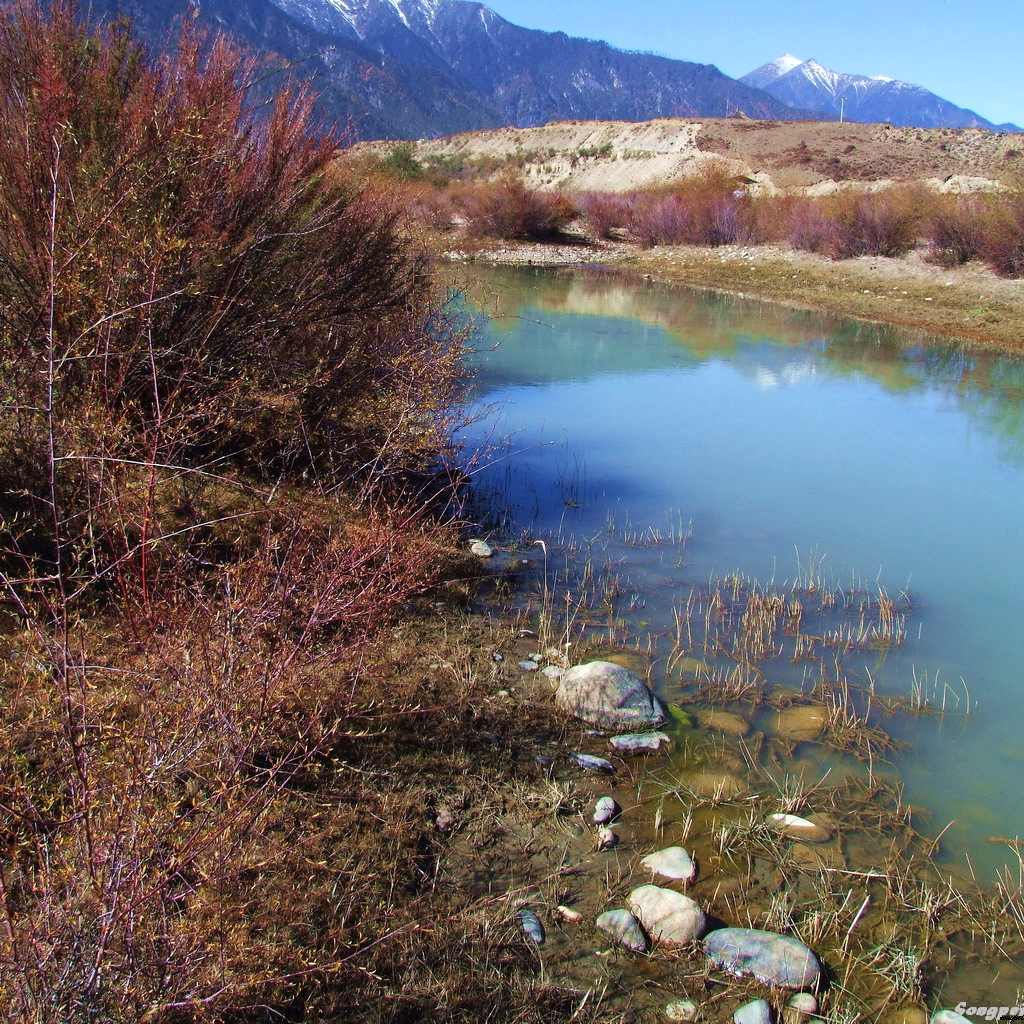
417, 68
421, 68
812, 86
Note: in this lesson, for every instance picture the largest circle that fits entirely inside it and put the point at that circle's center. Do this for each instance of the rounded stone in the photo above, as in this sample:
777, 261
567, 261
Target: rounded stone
674, 863
589, 763
950, 1017
667, 916
798, 828
757, 1012
606, 838
640, 742
532, 927
801, 724
481, 549
606, 810
529, 666
682, 1010
725, 722
624, 929
608, 696
799, 1008
772, 959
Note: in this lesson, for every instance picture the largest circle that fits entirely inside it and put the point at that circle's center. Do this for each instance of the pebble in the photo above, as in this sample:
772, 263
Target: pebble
498, 657
606, 810
683, 1010
799, 828
589, 763
532, 928
568, 915
529, 666
667, 916
757, 1012
606, 838
625, 929
950, 1017
674, 863
771, 959
640, 742
481, 549
800, 1006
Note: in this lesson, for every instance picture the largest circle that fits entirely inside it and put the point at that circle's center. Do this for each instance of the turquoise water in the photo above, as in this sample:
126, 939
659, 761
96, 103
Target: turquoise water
777, 432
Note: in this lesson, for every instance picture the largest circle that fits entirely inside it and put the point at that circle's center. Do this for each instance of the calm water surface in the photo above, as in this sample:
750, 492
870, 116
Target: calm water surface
779, 432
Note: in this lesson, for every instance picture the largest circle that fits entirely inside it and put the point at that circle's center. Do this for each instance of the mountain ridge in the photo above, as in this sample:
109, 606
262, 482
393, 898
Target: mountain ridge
423, 68
864, 98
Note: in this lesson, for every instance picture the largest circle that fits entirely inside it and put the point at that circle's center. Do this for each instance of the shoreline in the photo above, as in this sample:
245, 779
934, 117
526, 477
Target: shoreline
967, 306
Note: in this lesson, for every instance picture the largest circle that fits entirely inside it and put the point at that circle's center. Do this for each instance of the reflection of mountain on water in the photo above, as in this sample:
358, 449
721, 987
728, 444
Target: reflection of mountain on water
577, 326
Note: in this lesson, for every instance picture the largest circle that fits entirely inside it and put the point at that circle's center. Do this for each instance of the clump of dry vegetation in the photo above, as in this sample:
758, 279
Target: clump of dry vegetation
227, 400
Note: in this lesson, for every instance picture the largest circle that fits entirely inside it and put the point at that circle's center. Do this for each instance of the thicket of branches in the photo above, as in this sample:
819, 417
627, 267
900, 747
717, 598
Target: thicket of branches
221, 369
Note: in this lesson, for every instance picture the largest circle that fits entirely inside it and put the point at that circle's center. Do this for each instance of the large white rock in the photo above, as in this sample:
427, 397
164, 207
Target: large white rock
609, 696
667, 916
674, 863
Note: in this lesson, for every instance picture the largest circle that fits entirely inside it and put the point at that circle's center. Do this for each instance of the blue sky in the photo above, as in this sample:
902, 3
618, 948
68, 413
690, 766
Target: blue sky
969, 51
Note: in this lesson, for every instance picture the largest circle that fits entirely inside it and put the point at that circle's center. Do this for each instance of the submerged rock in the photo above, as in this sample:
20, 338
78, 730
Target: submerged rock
606, 810
681, 1010
531, 926
801, 724
667, 916
640, 742
799, 828
724, 721
717, 785
757, 1012
771, 959
625, 929
481, 549
608, 696
606, 838
528, 665
589, 763
674, 863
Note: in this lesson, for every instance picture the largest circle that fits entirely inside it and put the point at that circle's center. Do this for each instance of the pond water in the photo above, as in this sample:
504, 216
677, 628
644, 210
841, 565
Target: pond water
780, 436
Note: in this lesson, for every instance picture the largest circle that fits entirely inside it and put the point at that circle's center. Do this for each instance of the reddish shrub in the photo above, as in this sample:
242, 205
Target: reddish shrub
508, 209
660, 220
605, 212
879, 224
956, 232
1002, 246
810, 227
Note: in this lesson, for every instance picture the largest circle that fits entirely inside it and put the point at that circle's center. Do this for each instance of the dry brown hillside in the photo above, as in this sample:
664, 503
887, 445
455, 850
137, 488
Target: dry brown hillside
779, 156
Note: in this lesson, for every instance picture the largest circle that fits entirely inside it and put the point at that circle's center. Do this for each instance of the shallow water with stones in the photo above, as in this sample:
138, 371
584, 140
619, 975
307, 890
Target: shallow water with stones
783, 443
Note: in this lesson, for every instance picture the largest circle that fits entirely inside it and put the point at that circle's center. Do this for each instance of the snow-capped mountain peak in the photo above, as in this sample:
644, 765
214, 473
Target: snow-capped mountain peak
810, 85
